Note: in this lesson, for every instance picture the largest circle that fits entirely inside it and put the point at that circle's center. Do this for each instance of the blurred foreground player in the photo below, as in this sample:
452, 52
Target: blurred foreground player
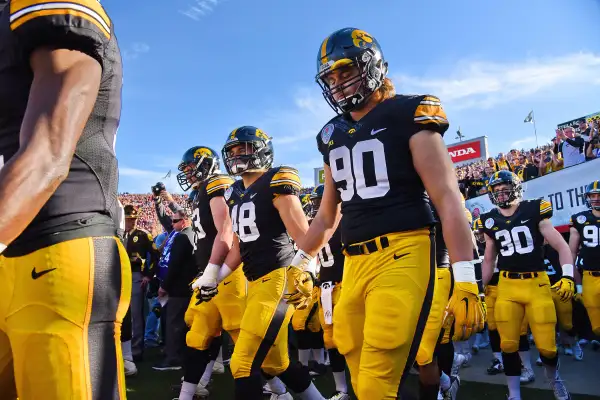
65, 277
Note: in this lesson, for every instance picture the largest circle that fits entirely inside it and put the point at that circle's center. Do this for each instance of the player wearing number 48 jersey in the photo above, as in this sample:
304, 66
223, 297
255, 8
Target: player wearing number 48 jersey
264, 206
199, 170
378, 162
515, 233
65, 277
585, 231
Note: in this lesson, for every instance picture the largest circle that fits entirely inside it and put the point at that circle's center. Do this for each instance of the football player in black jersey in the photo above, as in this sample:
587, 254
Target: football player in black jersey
331, 260
380, 153
585, 232
64, 274
514, 232
200, 171
266, 214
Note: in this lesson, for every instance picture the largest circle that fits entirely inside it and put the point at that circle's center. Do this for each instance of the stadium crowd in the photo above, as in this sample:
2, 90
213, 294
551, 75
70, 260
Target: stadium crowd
579, 145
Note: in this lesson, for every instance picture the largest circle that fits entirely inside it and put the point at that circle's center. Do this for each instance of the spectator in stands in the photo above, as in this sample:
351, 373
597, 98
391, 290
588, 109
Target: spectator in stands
550, 162
571, 146
530, 169
503, 163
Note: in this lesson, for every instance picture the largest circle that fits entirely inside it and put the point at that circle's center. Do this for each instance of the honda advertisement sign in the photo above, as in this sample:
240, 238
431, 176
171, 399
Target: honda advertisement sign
468, 151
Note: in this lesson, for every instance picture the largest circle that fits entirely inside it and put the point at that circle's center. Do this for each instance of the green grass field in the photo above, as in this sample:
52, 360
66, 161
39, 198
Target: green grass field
155, 385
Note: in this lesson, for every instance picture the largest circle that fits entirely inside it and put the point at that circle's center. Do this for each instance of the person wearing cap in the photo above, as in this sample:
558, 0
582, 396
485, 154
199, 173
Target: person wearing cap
143, 256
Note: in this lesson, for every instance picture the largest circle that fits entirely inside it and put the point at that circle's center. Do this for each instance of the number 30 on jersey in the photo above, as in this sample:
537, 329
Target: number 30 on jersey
518, 240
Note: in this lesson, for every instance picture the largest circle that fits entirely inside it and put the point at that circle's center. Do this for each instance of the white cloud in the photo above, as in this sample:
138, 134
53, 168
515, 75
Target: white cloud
482, 84
200, 8
135, 50
518, 144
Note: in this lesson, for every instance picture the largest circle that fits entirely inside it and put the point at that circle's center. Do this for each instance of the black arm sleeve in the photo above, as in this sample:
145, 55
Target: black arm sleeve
163, 218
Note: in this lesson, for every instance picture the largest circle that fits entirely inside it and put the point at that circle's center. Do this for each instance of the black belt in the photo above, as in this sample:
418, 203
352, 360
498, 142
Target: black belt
519, 275
367, 247
595, 274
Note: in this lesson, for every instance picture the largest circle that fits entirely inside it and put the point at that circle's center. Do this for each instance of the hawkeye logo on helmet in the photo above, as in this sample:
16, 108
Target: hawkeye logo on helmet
361, 38
202, 152
262, 135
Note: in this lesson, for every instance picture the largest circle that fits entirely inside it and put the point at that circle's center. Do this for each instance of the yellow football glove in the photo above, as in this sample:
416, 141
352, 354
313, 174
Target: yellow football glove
301, 281
300, 287
465, 307
565, 287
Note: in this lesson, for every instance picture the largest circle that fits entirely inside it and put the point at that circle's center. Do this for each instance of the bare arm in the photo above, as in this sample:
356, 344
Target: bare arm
574, 241
489, 259
62, 95
325, 223
234, 259
290, 211
440, 182
557, 242
223, 240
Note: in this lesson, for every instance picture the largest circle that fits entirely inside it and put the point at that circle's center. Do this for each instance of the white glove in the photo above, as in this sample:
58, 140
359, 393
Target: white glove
210, 277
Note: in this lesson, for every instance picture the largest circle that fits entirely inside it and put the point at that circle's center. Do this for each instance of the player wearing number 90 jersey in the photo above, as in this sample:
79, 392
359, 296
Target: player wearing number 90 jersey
378, 162
264, 206
516, 229
585, 231
65, 277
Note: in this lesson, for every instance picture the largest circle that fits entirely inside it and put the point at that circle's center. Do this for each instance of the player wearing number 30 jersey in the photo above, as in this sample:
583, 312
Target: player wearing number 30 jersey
378, 162
515, 233
264, 206
199, 170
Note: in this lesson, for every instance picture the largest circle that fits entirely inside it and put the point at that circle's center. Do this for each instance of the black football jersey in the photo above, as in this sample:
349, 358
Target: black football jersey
372, 166
552, 263
203, 224
332, 259
265, 244
588, 226
85, 204
518, 238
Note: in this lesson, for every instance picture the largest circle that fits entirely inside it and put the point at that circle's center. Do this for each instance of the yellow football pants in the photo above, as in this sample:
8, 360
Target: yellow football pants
591, 299
61, 310
531, 298
224, 311
328, 328
381, 314
263, 337
431, 334
491, 294
564, 312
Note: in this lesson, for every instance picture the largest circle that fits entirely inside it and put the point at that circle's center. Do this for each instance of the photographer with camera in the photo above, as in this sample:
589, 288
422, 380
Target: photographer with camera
593, 150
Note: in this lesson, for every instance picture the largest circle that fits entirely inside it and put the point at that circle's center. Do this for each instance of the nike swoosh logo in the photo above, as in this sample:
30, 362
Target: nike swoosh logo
543, 284
35, 274
266, 280
226, 283
376, 131
397, 257
523, 222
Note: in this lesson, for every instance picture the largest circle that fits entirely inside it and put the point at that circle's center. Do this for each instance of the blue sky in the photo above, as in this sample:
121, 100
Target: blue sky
196, 69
